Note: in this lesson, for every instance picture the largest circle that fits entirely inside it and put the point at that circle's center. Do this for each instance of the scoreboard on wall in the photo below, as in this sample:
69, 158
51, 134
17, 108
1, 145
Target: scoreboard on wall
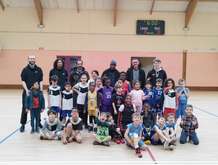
150, 27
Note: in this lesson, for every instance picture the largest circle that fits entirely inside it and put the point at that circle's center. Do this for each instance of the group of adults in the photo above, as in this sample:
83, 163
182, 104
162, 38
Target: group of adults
33, 73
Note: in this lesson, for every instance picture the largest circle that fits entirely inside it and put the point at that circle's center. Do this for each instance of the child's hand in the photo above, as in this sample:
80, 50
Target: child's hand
118, 129
115, 112
42, 110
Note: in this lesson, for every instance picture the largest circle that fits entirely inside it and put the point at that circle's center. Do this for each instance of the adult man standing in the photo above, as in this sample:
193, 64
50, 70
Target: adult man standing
112, 73
157, 72
29, 75
135, 73
76, 72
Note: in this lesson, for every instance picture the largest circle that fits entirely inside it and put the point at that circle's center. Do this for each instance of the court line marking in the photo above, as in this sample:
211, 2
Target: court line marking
205, 111
11, 134
151, 155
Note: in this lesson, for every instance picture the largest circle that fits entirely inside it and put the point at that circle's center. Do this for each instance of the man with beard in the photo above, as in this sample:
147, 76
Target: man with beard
135, 73
29, 75
112, 73
76, 72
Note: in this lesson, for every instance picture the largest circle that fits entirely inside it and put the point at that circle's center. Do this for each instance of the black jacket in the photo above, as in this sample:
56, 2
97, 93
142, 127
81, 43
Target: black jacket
153, 76
113, 75
31, 75
129, 76
62, 76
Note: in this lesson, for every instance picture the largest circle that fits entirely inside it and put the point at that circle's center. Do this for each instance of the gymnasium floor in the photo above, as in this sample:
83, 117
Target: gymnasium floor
16, 146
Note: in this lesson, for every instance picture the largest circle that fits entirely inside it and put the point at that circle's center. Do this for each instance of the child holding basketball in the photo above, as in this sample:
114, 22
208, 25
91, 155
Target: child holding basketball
148, 120
125, 113
170, 100
35, 103
52, 127
133, 134
73, 128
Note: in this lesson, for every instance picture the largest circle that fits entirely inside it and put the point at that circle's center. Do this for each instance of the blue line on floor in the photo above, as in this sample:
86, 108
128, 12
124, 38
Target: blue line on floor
11, 134
209, 113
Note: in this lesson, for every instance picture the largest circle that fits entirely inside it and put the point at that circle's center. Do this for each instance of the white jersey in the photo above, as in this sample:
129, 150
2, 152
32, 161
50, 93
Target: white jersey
170, 99
67, 100
82, 91
54, 94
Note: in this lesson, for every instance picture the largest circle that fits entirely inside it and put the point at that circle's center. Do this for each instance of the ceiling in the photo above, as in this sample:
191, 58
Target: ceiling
129, 5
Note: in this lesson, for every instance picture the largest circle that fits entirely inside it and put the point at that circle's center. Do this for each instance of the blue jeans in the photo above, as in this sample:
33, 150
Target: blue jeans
181, 110
192, 136
35, 118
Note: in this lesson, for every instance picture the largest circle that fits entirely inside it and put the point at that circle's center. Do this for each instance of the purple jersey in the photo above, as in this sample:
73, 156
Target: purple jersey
106, 96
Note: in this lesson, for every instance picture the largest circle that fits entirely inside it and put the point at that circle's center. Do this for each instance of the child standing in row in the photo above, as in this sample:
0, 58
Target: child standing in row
158, 98
82, 88
92, 103
183, 95
67, 102
125, 114
148, 93
54, 95
35, 103
170, 100
137, 96
106, 97
117, 101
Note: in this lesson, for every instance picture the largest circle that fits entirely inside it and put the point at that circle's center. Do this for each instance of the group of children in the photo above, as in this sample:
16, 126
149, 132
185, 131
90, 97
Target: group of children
124, 113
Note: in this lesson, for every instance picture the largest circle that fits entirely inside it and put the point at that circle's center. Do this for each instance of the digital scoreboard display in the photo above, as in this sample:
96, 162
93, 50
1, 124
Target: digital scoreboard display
150, 27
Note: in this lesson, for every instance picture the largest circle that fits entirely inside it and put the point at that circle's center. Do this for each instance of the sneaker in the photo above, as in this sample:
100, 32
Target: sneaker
106, 144
90, 129
41, 137
122, 141
117, 141
22, 128
32, 131
171, 147
166, 145
147, 142
40, 126
138, 152
37, 130
96, 143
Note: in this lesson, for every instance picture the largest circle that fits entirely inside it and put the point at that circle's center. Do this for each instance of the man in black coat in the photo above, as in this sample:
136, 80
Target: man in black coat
112, 73
135, 73
156, 73
29, 75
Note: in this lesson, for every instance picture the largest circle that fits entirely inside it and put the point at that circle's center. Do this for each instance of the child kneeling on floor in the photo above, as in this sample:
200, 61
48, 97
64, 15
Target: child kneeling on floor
73, 128
52, 127
133, 134
102, 136
189, 124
